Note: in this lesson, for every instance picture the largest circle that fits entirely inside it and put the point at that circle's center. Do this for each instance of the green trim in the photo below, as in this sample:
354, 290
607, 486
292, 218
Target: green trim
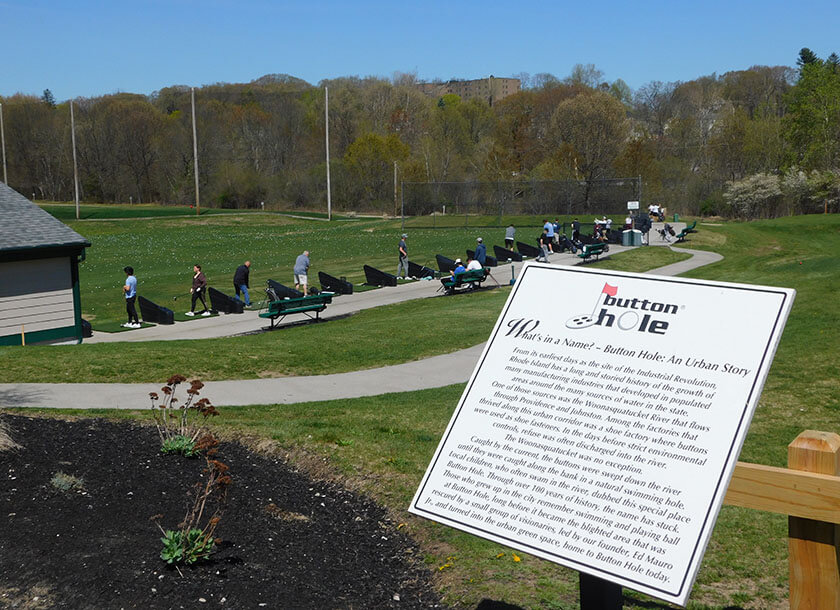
77, 299
67, 333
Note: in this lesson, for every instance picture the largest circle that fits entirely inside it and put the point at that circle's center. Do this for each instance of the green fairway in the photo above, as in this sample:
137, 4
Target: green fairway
163, 251
92, 211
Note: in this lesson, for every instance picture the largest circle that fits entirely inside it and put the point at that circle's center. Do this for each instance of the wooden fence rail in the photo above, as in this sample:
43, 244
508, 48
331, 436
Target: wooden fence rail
808, 491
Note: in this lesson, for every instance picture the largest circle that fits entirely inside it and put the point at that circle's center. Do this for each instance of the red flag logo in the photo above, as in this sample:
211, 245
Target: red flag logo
610, 290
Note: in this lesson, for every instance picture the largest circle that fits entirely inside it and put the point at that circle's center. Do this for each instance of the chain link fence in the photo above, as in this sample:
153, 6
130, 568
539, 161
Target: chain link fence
494, 204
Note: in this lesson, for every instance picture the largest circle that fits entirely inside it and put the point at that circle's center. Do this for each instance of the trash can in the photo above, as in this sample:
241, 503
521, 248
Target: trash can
631, 237
676, 217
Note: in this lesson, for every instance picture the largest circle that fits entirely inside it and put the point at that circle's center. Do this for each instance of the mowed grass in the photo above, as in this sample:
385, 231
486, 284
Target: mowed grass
382, 444
639, 259
163, 251
108, 211
371, 338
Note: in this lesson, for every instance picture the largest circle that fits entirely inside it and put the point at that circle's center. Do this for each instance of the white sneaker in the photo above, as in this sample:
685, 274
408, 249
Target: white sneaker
190, 313
137, 325
126, 325
206, 313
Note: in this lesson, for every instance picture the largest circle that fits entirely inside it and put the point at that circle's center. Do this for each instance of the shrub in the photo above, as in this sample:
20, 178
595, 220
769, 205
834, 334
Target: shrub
67, 482
178, 425
195, 539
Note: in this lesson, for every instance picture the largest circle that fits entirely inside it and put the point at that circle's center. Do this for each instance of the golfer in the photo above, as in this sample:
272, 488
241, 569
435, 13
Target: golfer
300, 271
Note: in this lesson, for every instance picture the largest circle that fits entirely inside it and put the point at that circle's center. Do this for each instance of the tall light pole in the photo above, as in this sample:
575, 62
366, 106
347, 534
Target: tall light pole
195, 154
3, 142
75, 165
327, 118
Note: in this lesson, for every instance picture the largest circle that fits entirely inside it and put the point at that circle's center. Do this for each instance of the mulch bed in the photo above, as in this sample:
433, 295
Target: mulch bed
288, 541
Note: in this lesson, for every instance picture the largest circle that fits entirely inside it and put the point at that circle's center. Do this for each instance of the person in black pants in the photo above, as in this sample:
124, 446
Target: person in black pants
130, 290
199, 285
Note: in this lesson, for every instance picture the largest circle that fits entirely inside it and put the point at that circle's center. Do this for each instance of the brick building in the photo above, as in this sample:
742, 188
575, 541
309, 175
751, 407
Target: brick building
490, 89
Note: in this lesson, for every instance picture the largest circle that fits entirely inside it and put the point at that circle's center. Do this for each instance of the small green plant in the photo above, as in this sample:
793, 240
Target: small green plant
178, 425
195, 539
179, 444
186, 547
67, 482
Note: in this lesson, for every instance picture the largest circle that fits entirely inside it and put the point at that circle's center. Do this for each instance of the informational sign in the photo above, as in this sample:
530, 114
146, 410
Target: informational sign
632, 205
604, 419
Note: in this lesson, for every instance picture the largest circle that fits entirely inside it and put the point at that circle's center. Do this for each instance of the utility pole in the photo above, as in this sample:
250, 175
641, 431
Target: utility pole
3, 141
327, 118
395, 188
75, 165
195, 154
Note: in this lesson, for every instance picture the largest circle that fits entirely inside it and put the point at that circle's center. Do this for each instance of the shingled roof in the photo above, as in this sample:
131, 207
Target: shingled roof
23, 225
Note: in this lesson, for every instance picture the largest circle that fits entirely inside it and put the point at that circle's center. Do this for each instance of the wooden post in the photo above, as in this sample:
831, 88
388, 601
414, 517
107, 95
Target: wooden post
813, 545
599, 594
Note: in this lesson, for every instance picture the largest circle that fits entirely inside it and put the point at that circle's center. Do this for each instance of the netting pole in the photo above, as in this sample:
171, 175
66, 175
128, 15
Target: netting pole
402, 199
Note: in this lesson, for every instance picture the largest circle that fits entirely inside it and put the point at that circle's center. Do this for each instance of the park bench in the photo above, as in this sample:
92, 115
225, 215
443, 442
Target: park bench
277, 310
688, 229
471, 279
590, 250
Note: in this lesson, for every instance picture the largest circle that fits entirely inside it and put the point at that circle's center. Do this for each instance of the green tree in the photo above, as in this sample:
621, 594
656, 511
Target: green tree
812, 124
48, 98
591, 130
370, 163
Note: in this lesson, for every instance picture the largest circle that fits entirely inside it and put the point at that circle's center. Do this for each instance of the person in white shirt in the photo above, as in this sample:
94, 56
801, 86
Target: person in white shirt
473, 264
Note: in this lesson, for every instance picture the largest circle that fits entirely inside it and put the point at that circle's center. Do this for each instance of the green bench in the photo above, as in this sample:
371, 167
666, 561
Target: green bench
277, 310
471, 279
590, 250
688, 229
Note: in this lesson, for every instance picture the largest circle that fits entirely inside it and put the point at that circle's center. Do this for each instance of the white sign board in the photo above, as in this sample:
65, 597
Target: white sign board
632, 205
603, 421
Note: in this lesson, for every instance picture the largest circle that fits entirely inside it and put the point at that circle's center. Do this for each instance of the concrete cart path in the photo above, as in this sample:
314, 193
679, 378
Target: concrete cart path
437, 371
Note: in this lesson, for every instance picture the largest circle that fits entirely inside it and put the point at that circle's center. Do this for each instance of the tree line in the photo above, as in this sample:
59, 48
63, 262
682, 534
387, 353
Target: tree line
750, 143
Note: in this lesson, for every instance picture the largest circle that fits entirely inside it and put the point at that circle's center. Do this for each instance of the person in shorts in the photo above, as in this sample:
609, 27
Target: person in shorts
300, 271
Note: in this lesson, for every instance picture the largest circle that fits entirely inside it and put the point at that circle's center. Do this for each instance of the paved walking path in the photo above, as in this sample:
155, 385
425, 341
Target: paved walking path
437, 371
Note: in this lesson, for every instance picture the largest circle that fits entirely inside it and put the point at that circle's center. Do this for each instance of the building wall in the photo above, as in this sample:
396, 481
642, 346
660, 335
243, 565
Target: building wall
38, 296
490, 89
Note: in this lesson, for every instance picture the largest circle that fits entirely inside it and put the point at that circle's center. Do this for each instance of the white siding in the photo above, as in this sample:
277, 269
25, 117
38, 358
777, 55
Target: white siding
36, 294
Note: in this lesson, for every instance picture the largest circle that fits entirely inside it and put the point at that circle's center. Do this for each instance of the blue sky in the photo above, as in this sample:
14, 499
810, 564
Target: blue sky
88, 48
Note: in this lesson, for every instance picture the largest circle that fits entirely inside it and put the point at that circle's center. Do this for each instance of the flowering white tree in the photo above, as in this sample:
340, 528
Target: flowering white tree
753, 196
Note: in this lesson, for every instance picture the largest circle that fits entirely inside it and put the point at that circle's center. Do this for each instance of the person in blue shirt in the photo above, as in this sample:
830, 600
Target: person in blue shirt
130, 290
549, 227
481, 252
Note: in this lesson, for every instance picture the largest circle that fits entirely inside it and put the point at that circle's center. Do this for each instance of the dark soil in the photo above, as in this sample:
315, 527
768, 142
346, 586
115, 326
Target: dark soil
288, 541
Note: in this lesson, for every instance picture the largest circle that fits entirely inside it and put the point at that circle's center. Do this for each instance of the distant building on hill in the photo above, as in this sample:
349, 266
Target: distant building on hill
490, 89
39, 274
